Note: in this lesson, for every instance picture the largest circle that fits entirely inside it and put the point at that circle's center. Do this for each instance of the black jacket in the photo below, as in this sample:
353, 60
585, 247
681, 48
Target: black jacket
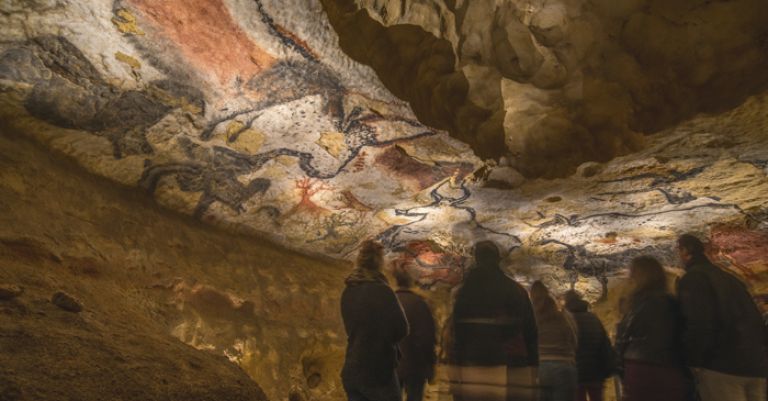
650, 332
418, 347
375, 323
724, 330
493, 321
594, 355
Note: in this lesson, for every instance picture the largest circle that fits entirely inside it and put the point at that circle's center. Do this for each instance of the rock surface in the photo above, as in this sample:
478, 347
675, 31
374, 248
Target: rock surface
173, 309
9, 291
300, 144
559, 82
66, 302
257, 120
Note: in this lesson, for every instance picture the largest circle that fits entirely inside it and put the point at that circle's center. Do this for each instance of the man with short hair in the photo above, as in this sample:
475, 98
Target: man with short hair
417, 363
724, 336
495, 338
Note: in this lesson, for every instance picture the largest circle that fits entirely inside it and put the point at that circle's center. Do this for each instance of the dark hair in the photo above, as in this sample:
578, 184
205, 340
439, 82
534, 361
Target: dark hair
403, 278
647, 276
691, 243
371, 255
573, 301
486, 254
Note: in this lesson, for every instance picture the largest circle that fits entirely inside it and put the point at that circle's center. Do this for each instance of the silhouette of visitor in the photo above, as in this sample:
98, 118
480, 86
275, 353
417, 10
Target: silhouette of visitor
595, 358
724, 336
417, 364
557, 347
495, 347
374, 322
648, 337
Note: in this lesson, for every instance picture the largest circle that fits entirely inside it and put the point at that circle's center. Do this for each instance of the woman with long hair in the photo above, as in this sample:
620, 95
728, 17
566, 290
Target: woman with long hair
557, 347
375, 323
648, 337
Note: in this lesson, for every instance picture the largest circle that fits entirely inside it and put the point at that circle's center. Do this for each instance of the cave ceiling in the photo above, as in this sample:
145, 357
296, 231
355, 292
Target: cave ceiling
320, 123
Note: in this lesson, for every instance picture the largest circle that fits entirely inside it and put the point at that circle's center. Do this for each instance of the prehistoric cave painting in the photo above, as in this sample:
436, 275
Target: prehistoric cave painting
579, 262
205, 34
69, 92
661, 183
442, 195
308, 188
214, 174
431, 263
396, 160
350, 201
220, 182
742, 250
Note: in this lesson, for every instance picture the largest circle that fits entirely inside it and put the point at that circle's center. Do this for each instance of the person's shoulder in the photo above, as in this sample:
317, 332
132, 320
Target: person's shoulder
408, 295
695, 275
514, 285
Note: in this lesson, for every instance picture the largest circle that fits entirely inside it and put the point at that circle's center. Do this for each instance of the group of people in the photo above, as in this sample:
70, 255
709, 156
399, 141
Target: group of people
706, 342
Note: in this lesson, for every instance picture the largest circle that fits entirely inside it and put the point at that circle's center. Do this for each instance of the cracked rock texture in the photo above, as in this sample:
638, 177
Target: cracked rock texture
571, 80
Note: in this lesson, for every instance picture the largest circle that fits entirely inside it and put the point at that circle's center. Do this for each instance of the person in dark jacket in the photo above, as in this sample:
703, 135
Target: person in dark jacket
494, 334
558, 377
724, 337
417, 365
595, 357
648, 337
374, 322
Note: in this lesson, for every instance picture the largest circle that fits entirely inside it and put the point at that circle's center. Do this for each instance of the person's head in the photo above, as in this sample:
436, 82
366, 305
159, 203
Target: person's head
403, 278
689, 248
574, 302
543, 303
539, 291
370, 256
647, 275
487, 254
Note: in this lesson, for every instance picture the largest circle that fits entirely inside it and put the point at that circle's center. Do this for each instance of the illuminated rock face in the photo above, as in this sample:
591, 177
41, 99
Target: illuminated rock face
247, 115
570, 80
225, 111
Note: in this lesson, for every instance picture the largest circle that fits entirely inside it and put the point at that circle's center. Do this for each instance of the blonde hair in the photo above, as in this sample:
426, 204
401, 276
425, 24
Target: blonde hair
544, 305
371, 255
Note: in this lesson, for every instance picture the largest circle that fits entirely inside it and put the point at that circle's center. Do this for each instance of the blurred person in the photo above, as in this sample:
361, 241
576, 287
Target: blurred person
417, 364
557, 347
595, 357
724, 336
495, 341
375, 323
648, 337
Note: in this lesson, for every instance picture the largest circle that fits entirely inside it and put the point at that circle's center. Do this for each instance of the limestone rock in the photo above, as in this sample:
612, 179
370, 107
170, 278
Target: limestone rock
594, 54
589, 169
9, 291
66, 302
504, 178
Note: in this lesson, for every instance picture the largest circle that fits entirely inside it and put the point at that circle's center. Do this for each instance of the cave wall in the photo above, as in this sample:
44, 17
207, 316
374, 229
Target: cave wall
316, 124
571, 80
144, 275
249, 116
244, 114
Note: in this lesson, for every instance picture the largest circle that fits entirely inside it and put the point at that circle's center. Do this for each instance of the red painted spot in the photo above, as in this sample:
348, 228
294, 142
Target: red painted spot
207, 36
431, 264
740, 248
